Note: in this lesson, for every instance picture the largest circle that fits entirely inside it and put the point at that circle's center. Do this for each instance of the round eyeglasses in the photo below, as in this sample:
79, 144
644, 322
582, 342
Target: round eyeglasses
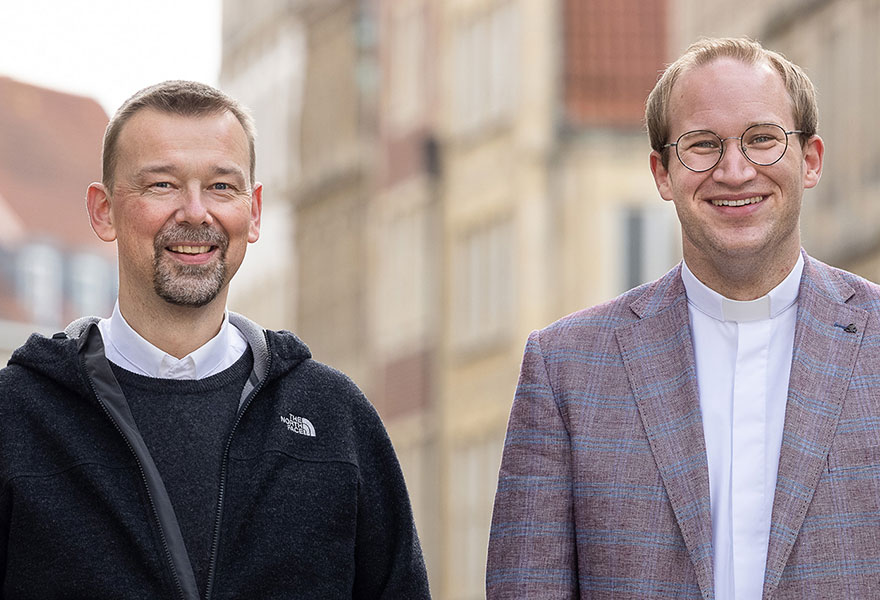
763, 144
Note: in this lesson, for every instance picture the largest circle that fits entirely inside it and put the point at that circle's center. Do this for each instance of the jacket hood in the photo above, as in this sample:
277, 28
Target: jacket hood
54, 358
57, 357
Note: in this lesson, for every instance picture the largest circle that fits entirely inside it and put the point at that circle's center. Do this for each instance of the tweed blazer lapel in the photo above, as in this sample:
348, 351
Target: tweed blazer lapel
827, 338
658, 355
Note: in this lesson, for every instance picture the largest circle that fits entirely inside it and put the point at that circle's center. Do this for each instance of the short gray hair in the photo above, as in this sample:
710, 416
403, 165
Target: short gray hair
183, 98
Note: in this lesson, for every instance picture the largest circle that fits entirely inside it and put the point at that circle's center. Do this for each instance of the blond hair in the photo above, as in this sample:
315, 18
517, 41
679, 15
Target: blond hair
704, 51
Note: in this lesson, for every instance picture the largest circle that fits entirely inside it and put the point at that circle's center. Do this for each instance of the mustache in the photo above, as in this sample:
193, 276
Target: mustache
204, 235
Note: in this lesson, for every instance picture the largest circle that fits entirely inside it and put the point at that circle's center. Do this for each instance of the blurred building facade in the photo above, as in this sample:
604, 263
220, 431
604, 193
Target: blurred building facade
263, 66
456, 173
52, 267
836, 44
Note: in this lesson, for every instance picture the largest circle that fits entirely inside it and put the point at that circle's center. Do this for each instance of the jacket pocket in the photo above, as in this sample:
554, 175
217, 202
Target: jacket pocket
854, 459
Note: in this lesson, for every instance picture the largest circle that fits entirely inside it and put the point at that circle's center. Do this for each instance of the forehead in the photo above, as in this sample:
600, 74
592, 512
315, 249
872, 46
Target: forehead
153, 135
729, 93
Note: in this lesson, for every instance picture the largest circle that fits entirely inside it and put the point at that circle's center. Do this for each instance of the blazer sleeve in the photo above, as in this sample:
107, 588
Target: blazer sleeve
532, 545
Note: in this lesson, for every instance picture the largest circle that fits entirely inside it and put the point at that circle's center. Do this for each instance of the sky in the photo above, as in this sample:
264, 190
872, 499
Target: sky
109, 49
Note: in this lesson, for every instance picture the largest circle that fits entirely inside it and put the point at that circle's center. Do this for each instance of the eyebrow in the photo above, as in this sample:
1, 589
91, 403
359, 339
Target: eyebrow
234, 171
749, 124
155, 169
174, 170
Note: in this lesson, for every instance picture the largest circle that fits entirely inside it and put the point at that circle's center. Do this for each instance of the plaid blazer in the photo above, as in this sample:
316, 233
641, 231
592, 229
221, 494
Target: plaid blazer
604, 488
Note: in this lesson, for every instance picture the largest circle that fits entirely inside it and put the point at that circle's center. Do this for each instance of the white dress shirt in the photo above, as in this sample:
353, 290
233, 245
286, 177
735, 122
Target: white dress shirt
125, 348
743, 356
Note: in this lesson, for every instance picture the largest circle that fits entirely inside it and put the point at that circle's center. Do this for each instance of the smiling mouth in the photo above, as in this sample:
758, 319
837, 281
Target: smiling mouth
743, 202
191, 249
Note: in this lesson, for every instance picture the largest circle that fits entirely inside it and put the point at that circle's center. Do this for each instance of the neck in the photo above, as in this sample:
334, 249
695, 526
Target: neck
739, 278
177, 330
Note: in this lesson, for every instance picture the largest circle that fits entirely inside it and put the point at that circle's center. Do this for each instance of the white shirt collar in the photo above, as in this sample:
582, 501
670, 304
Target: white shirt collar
713, 304
127, 349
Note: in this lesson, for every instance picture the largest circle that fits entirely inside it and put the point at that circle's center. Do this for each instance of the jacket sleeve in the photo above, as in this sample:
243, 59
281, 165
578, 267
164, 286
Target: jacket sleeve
388, 556
532, 545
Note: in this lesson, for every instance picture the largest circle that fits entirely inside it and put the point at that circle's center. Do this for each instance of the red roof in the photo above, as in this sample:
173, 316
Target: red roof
614, 52
50, 150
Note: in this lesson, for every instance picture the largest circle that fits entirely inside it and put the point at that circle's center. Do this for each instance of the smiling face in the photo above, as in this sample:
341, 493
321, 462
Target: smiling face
737, 213
181, 209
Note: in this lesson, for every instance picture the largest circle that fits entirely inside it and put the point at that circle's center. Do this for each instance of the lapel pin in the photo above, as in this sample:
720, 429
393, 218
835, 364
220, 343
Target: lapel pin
851, 328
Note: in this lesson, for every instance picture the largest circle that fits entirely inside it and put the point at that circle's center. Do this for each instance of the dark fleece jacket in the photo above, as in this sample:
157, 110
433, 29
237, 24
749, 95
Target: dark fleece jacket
84, 514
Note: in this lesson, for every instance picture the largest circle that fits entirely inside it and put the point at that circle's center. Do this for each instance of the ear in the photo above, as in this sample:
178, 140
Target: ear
100, 213
814, 154
256, 213
661, 176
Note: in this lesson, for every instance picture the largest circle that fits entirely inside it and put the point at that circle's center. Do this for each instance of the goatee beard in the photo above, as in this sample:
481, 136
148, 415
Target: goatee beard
189, 285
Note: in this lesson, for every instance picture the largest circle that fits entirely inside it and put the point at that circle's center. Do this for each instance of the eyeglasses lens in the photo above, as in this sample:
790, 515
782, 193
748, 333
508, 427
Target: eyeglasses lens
762, 144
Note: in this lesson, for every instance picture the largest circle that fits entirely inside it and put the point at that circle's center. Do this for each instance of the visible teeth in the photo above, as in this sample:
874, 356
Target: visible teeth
190, 249
753, 200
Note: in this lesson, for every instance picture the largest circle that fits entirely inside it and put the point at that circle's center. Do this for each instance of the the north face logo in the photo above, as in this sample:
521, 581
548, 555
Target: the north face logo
299, 425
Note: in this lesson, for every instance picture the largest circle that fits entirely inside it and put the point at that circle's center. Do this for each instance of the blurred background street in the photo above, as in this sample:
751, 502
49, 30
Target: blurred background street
441, 177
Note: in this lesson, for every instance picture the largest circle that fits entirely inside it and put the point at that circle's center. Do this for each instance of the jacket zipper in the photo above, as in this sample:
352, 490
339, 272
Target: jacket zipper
215, 542
155, 512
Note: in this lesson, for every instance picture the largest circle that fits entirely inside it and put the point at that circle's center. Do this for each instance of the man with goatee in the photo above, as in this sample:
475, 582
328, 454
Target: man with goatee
176, 449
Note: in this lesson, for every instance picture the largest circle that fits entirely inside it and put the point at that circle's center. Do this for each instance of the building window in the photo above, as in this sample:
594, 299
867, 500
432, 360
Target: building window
649, 244
271, 83
402, 311
484, 286
40, 283
91, 285
486, 67
416, 463
474, 478
872, 118
407, 63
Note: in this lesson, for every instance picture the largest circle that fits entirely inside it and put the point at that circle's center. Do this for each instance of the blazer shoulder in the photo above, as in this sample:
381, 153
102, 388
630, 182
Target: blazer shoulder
866, 293
594, 327
842, 286
603, 319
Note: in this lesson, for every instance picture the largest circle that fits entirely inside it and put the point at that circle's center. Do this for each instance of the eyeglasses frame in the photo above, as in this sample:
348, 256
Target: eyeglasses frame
741, 147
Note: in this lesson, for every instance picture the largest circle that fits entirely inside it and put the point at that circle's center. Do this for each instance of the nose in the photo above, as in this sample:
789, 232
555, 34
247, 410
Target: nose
734, 168
194, 209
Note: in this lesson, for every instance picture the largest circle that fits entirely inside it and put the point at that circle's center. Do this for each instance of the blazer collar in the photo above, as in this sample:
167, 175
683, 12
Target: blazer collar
658, 356
827, 339
660, 294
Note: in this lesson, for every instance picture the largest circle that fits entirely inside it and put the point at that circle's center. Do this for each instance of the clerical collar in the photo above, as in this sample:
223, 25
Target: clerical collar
718, 307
